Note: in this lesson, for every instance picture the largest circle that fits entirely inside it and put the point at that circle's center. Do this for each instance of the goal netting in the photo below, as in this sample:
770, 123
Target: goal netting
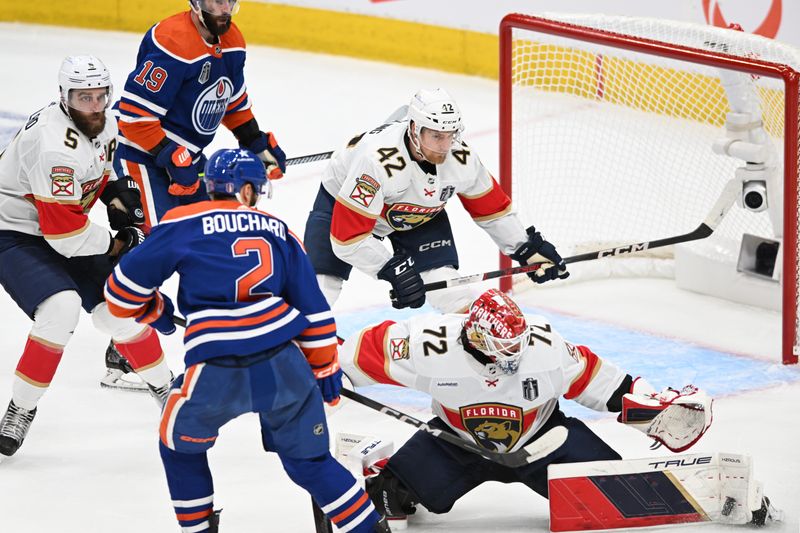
618, 130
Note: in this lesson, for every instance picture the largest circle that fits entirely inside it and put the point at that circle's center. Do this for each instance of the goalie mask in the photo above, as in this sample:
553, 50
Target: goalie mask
497, 327
227, 171
434, 125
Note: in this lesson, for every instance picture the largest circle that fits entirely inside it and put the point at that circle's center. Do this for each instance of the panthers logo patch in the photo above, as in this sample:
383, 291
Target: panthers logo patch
403, 217
494, 426
399, 348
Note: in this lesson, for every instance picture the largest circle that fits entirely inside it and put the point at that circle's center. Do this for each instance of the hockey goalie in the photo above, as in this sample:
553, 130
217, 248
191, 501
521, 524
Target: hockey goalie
495, 376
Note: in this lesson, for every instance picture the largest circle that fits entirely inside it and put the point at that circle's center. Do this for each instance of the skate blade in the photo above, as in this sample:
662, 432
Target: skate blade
117, 380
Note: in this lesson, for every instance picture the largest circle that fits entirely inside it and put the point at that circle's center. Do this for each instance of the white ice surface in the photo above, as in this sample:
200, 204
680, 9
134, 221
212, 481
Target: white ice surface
90, 463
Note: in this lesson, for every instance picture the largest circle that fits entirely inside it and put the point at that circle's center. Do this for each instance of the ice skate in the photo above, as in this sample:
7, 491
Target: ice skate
13, 428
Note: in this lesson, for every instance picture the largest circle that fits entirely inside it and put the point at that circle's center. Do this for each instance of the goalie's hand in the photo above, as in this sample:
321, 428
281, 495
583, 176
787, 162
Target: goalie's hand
675, 418
537, 250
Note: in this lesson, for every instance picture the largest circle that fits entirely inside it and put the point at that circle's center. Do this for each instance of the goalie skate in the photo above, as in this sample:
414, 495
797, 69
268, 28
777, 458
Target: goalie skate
119, 374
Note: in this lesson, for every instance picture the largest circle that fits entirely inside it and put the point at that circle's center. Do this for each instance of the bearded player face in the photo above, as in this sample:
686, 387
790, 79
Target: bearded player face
217, 14
87, 108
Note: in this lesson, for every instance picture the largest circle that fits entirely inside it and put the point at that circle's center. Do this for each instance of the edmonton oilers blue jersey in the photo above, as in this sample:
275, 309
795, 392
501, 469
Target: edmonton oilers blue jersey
246, 283
182, 87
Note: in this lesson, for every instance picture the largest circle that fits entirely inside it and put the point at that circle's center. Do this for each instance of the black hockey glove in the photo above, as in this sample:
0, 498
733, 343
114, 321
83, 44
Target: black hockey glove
408, 290
131, 237
537, 250
127, 211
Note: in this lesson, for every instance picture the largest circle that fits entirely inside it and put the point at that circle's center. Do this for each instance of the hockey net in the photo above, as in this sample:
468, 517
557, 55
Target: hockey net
607, 128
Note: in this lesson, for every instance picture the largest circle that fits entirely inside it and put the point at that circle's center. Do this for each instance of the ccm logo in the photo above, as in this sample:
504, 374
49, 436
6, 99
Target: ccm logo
625, 249
435, 244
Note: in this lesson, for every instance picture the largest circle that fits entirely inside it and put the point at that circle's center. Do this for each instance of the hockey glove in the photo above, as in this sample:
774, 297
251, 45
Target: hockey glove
329, 381
123, 201
408, 289
159, 314
266, 148
537, 250
183, 175
130, 237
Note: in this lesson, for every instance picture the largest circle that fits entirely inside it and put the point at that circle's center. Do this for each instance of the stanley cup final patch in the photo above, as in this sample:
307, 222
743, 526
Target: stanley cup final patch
365, 190
62, 181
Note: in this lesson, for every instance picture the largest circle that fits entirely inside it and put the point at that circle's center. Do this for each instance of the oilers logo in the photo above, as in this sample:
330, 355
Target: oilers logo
210, 106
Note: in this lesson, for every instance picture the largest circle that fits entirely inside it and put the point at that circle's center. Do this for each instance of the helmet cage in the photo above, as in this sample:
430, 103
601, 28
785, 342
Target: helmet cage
497, 327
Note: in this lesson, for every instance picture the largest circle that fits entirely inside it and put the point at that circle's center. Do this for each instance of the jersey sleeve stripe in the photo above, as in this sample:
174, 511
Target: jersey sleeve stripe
370, 355
51, 233
326, 330
146, 134
591, 367
234, 119
134, 110
235, 101
130, 285
121, 292
150, 106
319, 317
493, 216
490, 204
350, 225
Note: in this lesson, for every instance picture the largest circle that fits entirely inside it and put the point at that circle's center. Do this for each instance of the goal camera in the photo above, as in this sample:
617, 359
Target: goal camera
754, 195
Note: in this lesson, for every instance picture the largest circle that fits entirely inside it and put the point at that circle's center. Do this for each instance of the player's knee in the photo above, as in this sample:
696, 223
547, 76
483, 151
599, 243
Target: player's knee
331, 287
453, 300
119, 329
390, 496
305, 472
57, 317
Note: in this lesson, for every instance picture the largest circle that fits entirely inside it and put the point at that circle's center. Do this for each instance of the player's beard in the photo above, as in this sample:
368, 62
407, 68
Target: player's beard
90, 124
217, 24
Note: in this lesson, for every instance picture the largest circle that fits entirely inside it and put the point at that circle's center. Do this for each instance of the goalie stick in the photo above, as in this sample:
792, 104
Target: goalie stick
541, 447
705, 229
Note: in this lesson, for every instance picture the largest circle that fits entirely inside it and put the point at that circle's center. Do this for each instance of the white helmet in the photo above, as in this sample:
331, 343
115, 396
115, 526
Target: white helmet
82, 72
435, 110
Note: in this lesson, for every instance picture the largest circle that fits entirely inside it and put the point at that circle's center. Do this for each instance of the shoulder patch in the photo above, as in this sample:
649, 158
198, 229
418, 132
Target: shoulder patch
62, 181
365, 190
399, 348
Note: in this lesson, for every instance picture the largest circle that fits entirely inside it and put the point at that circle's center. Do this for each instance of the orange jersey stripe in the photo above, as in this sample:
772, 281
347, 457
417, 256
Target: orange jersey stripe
347, 223
322, 356
241, 322
237, 118
319, 330
172, 400
237, 101
115, 288
350, 510
136, 110
146, 134
493, 201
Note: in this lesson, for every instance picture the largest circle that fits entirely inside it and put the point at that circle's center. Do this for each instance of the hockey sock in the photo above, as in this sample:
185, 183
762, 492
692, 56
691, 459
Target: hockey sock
35, 371
145, 355
335, 490
190, 486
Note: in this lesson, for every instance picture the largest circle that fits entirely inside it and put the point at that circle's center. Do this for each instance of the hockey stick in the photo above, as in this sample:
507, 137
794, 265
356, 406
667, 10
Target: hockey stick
310, 158
705, 229
542, 446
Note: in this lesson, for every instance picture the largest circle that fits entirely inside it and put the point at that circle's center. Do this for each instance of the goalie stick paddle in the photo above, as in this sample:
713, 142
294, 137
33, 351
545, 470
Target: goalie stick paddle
705, 229
541, 447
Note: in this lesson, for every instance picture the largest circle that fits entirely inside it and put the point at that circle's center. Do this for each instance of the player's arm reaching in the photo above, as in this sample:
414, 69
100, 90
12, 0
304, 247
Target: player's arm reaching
150, 91
490, 208
382, 353
132, 288
674, 418
318, 341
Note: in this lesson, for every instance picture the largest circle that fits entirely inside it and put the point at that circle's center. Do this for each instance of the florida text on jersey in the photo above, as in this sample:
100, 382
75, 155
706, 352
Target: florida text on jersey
51, 175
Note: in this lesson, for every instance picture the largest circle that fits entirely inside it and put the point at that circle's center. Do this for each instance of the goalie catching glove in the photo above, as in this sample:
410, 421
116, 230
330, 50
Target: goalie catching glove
675, 418
537, 250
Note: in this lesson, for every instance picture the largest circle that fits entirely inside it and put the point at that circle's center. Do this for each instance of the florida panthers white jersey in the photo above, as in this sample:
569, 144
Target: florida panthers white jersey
497, 411
50, 176
380, 189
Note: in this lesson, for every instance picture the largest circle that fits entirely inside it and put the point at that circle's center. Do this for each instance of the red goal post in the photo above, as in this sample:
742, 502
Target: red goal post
600, 126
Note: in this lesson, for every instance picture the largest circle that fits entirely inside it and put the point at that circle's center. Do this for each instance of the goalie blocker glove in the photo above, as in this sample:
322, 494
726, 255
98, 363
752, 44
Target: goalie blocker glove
537, 250
408, 289
128, 211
